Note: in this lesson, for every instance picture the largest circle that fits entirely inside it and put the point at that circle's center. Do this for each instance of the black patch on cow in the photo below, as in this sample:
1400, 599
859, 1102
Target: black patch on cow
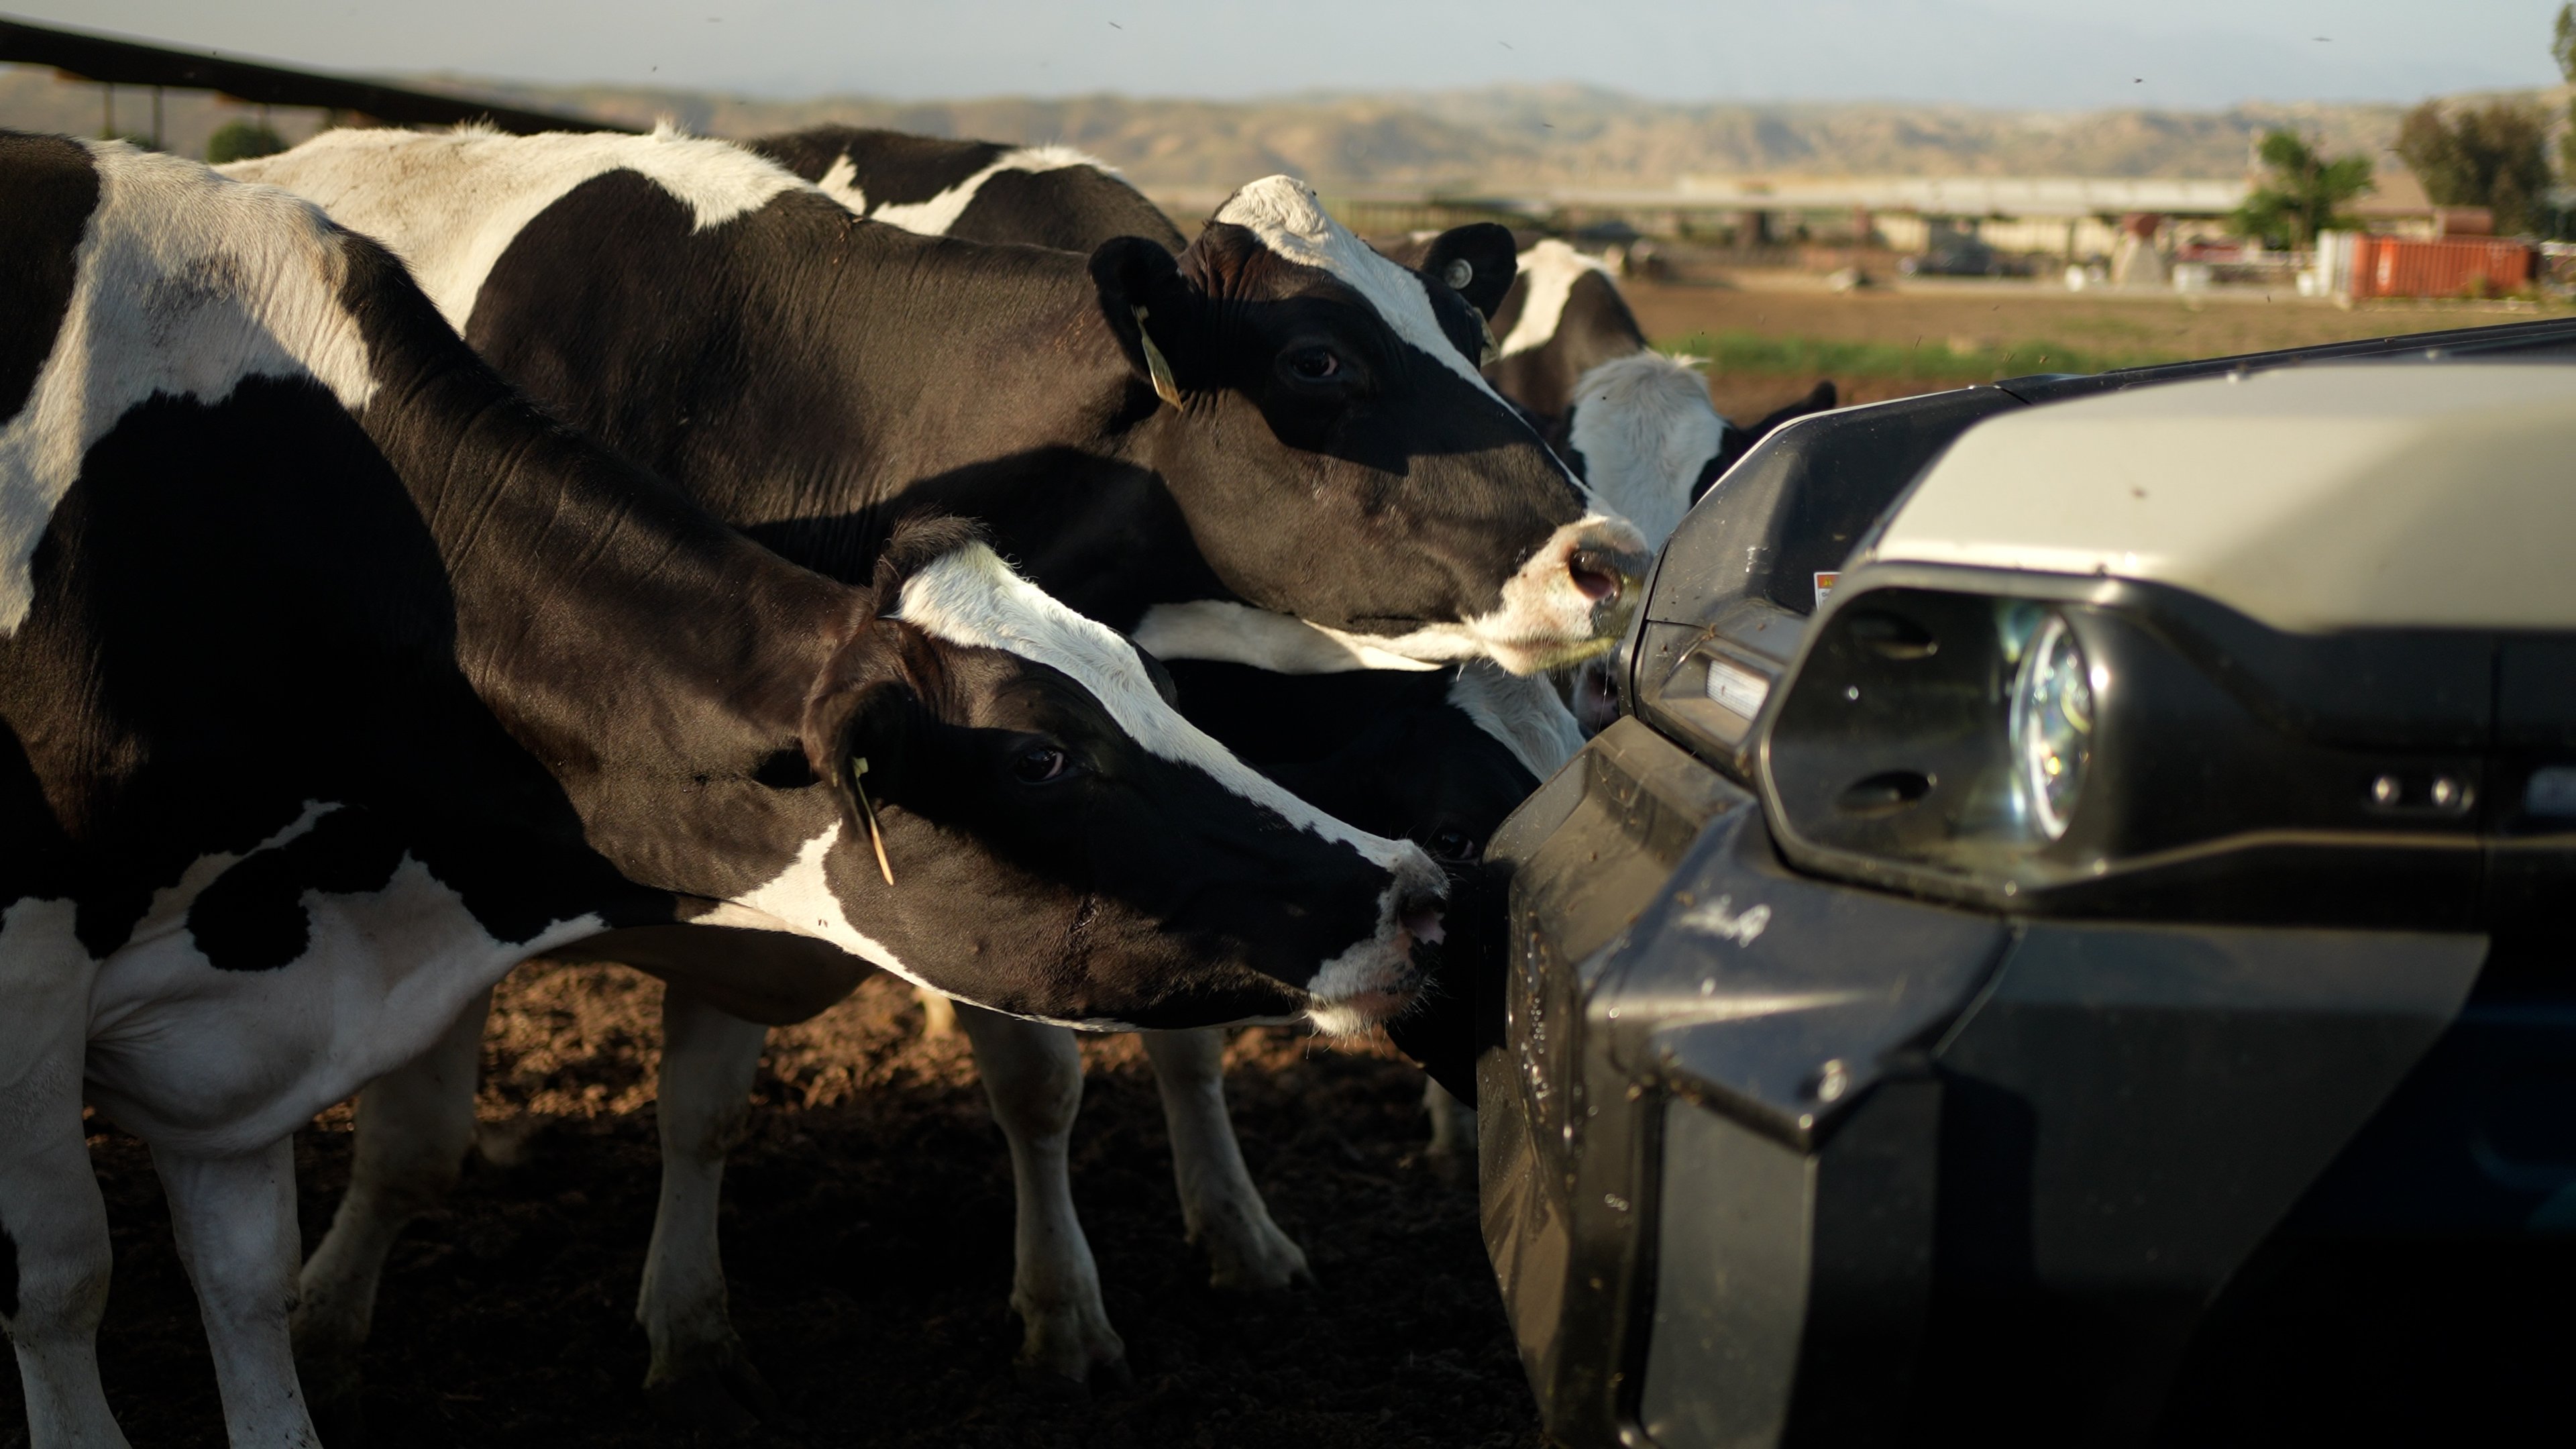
53, 189
252, 918
1070, 208
35, 855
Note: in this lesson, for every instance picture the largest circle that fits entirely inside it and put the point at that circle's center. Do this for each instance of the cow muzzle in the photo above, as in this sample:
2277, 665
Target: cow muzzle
1571, 599
1376, 980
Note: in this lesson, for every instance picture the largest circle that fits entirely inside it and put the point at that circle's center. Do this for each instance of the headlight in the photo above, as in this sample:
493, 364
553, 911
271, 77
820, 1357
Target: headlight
2052, 724
2047, 743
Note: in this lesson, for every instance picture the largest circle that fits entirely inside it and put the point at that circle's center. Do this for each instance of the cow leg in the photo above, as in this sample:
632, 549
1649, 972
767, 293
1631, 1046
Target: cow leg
699, 1372
54, 1254
234, 1218
1033, 1076
938, 1013
1453, 1123
415, 1124
1224, 1211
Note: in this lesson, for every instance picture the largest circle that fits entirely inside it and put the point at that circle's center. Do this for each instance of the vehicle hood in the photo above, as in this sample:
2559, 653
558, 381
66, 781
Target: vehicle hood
2311, 498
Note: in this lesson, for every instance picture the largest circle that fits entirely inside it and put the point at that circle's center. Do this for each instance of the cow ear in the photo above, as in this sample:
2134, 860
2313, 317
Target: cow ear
1147, 307
1476, 261
876, 720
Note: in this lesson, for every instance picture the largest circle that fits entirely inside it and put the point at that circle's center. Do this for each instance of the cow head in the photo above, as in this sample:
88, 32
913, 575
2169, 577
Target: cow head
1063, 845
1336, 453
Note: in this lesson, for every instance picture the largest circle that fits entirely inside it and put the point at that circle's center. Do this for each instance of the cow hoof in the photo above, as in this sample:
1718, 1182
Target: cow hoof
1256, 1258
1071, 1350
716, 1392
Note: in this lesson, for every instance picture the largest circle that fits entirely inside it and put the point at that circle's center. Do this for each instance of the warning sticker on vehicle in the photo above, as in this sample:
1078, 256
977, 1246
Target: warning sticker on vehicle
1825, 585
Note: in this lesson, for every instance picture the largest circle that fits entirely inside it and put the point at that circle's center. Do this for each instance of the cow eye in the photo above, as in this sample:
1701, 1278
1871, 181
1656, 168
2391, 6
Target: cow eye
1041, 765
1452, 843
1313, 364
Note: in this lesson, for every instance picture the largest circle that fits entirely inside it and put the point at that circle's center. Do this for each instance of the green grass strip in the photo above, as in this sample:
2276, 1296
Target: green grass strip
1747, 352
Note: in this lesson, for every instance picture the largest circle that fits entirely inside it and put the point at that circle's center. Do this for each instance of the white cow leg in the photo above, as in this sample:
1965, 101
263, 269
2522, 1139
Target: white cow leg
1453, 1122
53, 1226
938, 1013
1033, 1076
415, 1125
1224, 1211
699, 1372
234, 1218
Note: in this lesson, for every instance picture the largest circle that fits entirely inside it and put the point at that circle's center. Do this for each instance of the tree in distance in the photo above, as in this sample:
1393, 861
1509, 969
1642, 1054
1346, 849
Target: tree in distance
2303, 195
2495, 156
240, 141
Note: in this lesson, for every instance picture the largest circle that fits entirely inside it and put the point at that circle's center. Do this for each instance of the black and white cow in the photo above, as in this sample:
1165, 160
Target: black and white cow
335, 678
606, 318
1279, 419
984, 191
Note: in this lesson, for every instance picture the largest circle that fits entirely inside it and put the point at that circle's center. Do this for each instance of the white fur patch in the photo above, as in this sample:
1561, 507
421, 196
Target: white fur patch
184, 284
217, 1063
450, 202
1521, 711
1543, 622
1220, 629
971, 597
1548, 271
45, 976
1288, 218
1645, 427
840, 181
935, 216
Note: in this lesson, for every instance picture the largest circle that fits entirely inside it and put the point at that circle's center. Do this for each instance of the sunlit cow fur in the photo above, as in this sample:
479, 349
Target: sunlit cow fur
335, 678
1392, 496
982, 191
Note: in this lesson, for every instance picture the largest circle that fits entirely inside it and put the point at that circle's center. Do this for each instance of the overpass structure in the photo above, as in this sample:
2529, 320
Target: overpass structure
118, 61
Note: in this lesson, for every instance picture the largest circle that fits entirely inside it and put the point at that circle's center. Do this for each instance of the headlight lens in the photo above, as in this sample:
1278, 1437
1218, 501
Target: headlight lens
2052, 724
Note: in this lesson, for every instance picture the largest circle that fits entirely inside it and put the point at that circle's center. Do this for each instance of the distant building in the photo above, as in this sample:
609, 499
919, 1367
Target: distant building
2073, 217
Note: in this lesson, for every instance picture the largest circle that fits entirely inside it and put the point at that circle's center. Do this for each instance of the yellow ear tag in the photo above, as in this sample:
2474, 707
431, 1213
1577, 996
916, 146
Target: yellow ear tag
1157, 366
859, 767
1493, 350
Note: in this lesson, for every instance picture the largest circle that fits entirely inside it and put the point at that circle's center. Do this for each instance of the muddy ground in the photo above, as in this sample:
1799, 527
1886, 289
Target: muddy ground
868, 1244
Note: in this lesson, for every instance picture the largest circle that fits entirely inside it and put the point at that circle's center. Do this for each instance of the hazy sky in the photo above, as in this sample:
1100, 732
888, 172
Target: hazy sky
2190, 53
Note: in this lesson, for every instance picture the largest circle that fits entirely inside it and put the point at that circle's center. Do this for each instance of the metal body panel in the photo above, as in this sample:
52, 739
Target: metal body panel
1786, 1158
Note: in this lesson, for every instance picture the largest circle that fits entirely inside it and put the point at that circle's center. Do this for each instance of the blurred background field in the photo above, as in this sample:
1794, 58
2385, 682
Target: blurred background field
1768, 337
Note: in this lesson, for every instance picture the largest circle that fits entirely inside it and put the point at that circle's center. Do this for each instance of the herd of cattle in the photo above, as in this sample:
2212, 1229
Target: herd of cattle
755, 565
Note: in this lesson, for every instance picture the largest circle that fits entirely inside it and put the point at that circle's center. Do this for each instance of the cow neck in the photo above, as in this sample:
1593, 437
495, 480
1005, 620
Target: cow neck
619, 633
1007, 399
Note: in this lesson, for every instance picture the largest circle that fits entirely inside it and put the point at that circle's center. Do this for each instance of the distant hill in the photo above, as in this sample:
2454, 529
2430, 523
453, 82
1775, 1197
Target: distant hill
1496, 139
1503, 138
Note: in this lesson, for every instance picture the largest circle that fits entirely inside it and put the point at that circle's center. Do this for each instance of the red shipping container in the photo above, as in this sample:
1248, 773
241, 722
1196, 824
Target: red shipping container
2388, 266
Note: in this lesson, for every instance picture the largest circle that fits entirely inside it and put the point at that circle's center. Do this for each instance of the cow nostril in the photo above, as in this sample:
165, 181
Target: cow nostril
1421, 917
1596, 573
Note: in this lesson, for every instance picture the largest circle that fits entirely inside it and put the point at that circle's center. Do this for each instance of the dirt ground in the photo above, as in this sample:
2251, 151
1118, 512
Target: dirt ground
1991, 315
868, 1245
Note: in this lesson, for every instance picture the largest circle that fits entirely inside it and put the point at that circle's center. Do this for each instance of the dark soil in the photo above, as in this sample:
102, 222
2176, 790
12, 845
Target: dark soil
868, 1244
